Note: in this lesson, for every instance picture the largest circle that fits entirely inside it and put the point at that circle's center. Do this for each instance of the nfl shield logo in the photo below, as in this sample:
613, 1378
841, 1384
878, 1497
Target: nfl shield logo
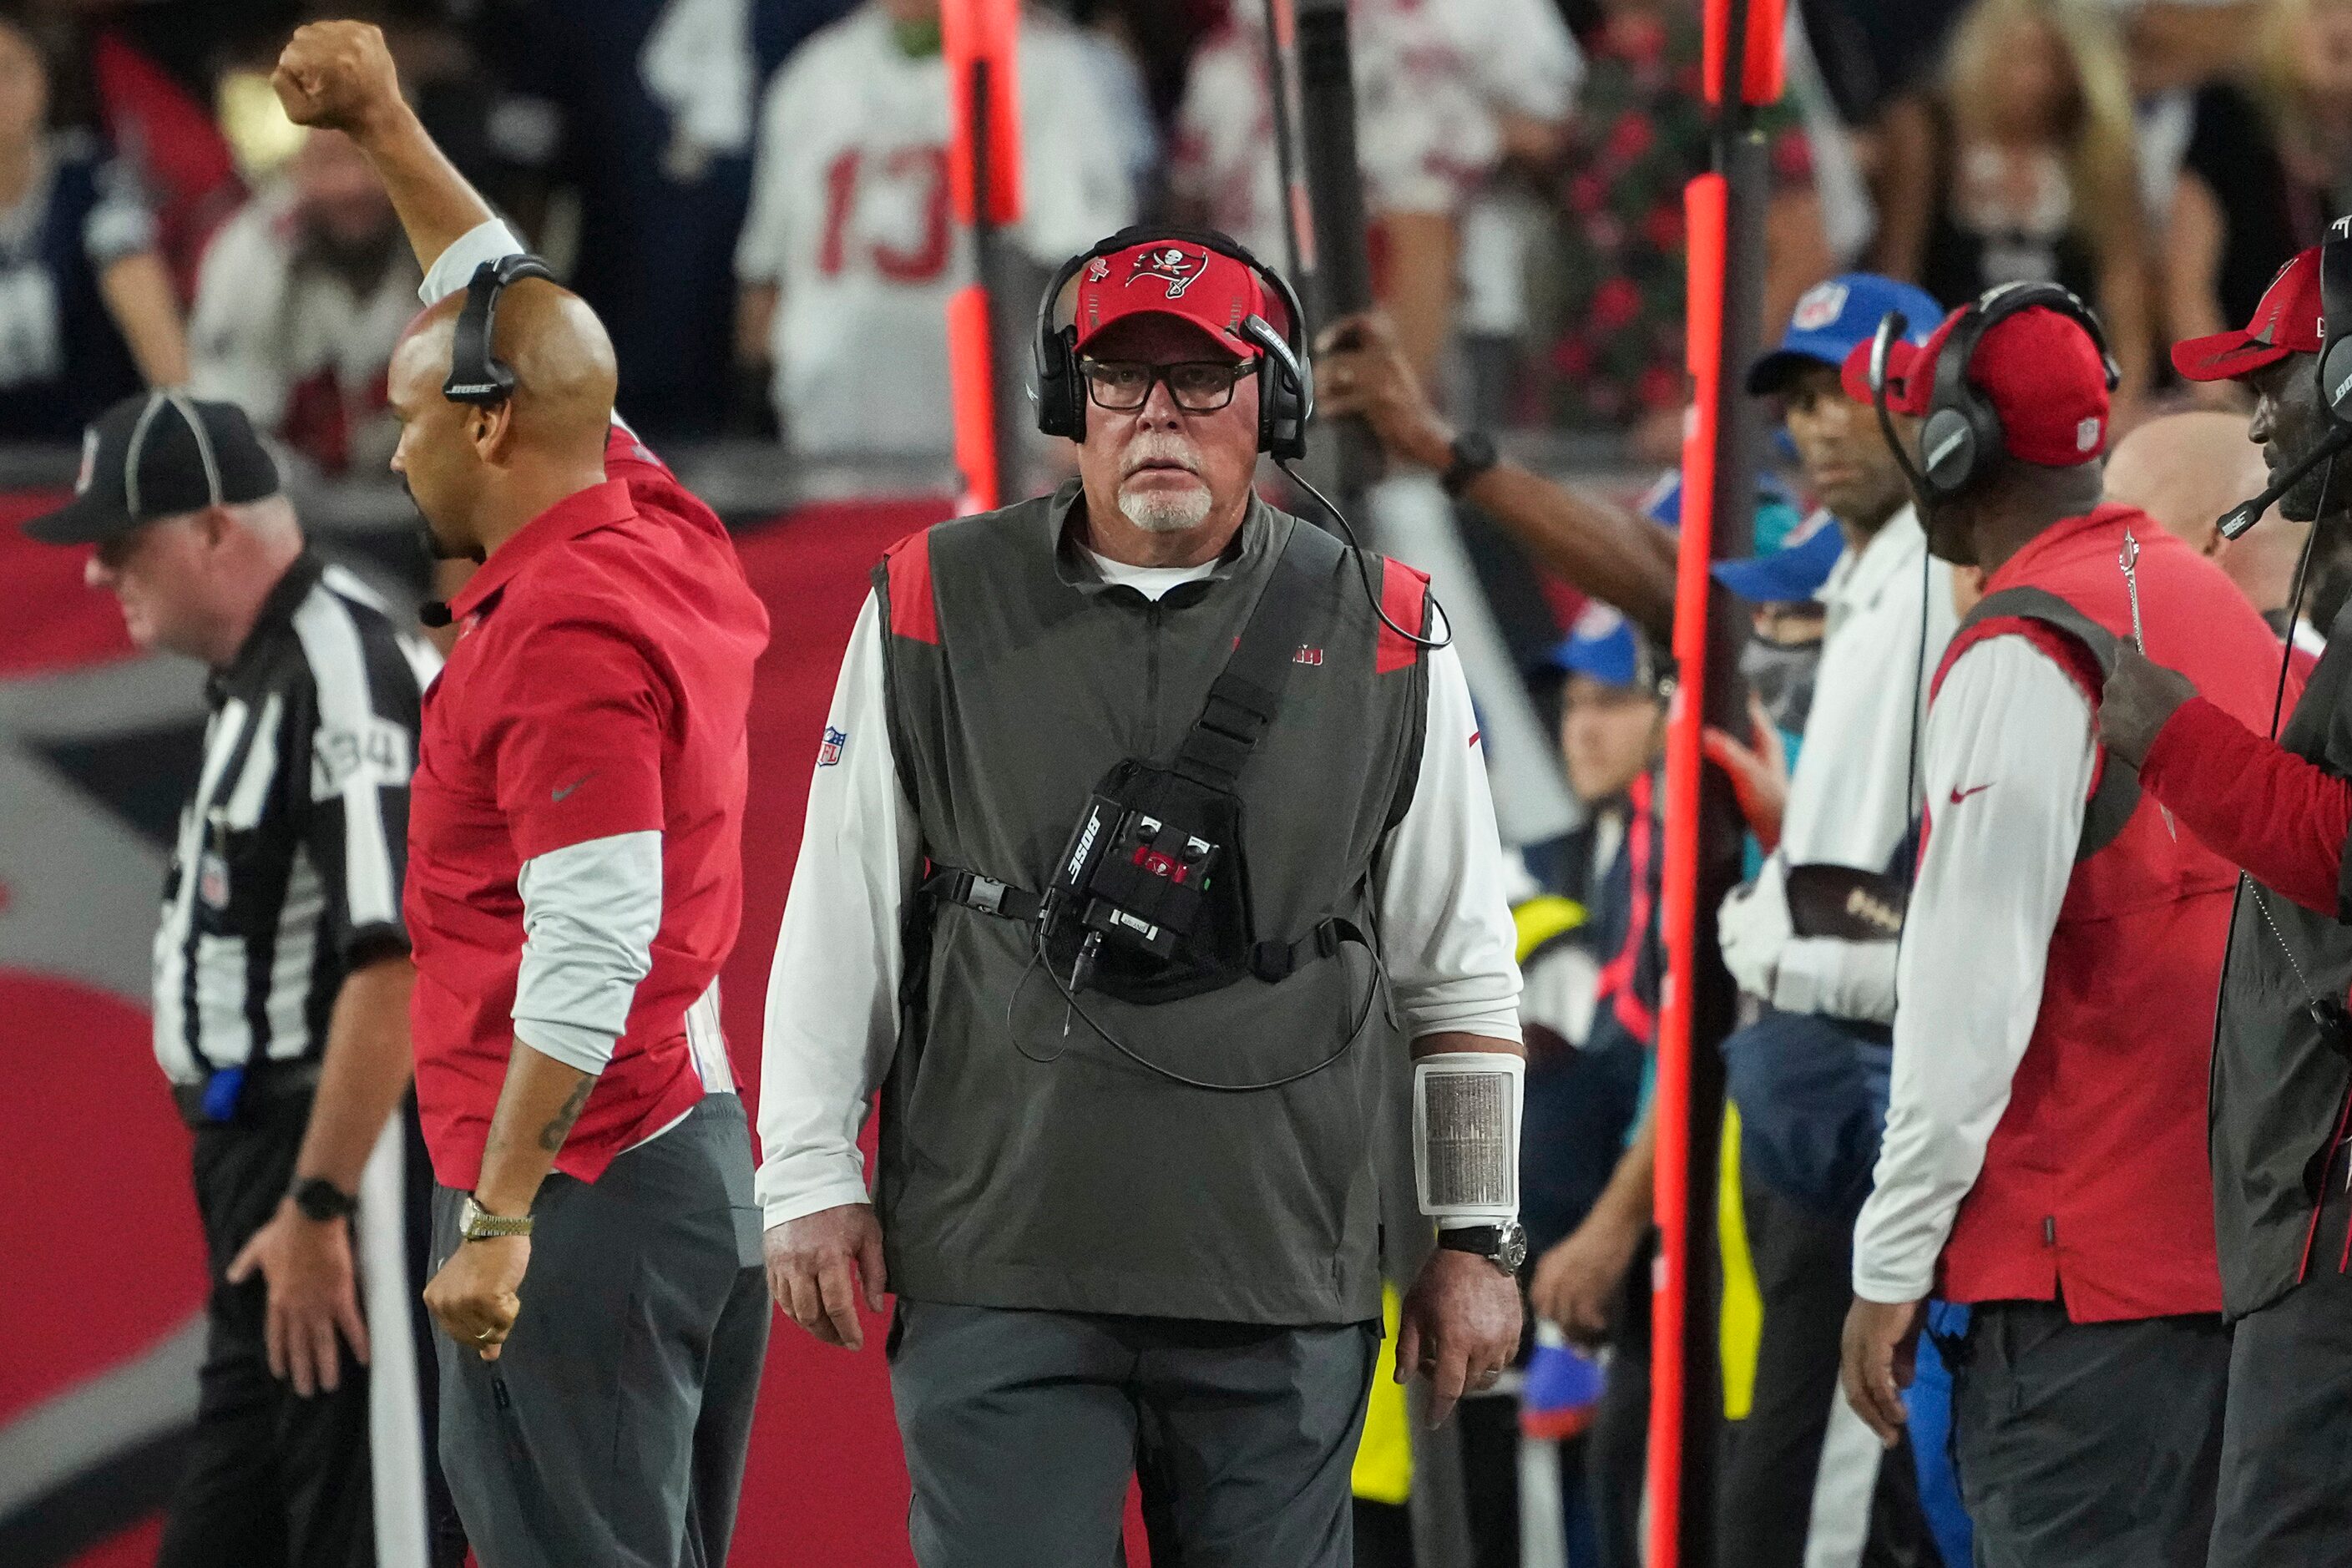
212, 881
1821, 305
829, 753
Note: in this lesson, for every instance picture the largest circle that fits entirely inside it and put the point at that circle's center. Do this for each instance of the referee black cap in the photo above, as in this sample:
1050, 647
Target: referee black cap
156, 455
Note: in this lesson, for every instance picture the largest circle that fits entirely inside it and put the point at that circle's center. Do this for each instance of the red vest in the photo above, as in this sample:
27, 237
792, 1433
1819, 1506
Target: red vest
2096, 1187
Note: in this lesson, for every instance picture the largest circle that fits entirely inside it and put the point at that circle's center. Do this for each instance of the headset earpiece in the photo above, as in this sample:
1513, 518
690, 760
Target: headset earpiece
1286, 397
2336, 322
477, 375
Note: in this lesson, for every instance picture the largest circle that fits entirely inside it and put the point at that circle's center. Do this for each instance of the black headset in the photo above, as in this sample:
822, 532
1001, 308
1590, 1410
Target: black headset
476, 375
1962, 434
1286, 384
2336, 322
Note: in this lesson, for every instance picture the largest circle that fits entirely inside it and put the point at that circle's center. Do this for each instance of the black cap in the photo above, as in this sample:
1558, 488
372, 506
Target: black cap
159, 454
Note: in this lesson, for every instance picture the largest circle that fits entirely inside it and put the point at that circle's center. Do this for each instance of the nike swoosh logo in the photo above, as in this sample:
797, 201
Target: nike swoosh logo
1961, 795
557, 795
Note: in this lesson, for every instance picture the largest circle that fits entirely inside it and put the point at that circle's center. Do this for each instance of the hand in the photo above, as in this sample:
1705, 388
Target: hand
2140, 697
1459, 1326
1360, 369
1879, 1353
815, 1264
474, 1298
1577, 1281
313, 1292
1759, 775
1753, 929
337, 76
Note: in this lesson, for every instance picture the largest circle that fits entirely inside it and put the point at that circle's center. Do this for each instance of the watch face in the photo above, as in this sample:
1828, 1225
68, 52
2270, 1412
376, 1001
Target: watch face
321, 1199
1511, 1247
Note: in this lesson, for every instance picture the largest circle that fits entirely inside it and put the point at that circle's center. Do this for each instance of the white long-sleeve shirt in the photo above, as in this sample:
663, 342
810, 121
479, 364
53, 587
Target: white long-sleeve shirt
1851, 797
1445, 929
2008, 768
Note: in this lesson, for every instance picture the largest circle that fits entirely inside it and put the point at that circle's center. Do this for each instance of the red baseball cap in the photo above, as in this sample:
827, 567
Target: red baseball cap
2040, 370
1179, 277
2287, 322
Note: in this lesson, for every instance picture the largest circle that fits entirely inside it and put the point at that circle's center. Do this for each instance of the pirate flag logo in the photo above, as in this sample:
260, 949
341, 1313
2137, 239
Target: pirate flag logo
1171, 263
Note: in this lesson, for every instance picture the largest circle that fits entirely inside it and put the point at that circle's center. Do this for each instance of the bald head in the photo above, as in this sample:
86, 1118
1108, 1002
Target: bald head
2185, 471
565, 376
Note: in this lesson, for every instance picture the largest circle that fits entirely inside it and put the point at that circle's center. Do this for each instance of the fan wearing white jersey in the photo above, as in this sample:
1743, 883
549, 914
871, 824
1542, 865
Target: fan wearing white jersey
851, 247
1446, 89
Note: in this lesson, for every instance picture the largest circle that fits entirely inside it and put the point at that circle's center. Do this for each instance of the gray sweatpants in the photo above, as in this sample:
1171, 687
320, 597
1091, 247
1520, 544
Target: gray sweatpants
611, 1429
2088, 1445
2286, 1484
1022, 1428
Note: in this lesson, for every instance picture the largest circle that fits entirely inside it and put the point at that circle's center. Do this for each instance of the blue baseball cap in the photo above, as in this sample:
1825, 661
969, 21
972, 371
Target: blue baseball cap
1792, 573
1775, 507
1832, 318
1604, 644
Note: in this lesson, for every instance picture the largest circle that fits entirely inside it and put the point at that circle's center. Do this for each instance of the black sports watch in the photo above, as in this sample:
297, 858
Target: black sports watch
1474, 454
321, 1200
1504, 1245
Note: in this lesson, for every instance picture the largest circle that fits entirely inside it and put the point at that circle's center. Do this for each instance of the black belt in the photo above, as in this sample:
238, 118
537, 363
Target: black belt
1269, 961
265, 1089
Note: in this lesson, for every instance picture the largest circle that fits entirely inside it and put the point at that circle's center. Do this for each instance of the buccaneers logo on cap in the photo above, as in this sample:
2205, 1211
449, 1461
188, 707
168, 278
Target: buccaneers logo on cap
1171, 263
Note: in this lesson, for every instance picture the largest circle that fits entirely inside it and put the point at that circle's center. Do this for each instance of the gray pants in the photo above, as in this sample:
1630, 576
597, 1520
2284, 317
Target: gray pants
613, 1428
1022, 1428
2088, 1445
2286, 1490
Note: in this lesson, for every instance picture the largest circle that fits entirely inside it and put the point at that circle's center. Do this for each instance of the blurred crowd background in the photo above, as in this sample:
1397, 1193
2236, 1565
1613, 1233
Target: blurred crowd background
752, 191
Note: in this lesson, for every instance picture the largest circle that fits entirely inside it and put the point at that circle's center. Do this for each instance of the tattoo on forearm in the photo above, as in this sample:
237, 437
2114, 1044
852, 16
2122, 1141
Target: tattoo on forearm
551, 1136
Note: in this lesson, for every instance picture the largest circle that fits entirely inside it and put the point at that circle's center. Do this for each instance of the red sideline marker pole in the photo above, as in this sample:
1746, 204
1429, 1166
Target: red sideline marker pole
979, 39
1703, 206
1725, 211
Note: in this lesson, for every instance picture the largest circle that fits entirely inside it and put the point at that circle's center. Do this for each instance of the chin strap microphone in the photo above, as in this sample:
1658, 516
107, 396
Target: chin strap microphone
2240, 518
434, 612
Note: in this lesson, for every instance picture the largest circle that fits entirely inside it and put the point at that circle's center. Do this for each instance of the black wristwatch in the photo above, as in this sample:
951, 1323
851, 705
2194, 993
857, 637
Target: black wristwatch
1504, 1245
1473, 454
321, 1200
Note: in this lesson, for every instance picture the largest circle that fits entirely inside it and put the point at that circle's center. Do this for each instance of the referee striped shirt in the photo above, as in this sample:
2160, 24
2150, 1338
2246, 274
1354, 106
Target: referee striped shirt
287, 871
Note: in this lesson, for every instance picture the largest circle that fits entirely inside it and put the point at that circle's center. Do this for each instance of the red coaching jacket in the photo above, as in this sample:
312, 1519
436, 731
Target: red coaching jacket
2095, 1185
598, 686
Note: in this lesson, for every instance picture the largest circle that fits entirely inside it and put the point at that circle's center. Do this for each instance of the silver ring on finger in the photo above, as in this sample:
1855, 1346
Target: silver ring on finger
485, 1335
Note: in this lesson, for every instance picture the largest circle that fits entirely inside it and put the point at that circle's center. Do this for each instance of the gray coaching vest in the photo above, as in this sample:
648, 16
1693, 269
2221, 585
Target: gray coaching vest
2280, 1085
1024, 1162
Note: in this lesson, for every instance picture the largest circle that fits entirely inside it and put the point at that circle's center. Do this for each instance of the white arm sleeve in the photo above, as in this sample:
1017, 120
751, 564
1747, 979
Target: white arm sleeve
1844, 979
589, 914
489, 240
2008, 764
1446, 925
833, 995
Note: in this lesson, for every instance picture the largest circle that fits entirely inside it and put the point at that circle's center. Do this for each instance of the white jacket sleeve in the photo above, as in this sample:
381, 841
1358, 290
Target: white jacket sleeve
833, 994
1445, 925
2008, 765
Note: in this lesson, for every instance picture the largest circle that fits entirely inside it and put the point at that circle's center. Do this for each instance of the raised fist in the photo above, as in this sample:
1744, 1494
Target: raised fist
337, 76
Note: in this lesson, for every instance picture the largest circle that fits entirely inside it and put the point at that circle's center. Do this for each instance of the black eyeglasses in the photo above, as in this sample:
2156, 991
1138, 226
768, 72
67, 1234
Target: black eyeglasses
1199, 387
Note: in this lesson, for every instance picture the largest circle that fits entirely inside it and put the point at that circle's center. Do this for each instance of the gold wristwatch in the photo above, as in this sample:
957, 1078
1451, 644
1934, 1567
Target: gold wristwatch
475, 1223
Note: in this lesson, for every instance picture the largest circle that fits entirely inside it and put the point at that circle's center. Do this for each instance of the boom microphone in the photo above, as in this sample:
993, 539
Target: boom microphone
2240, 518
